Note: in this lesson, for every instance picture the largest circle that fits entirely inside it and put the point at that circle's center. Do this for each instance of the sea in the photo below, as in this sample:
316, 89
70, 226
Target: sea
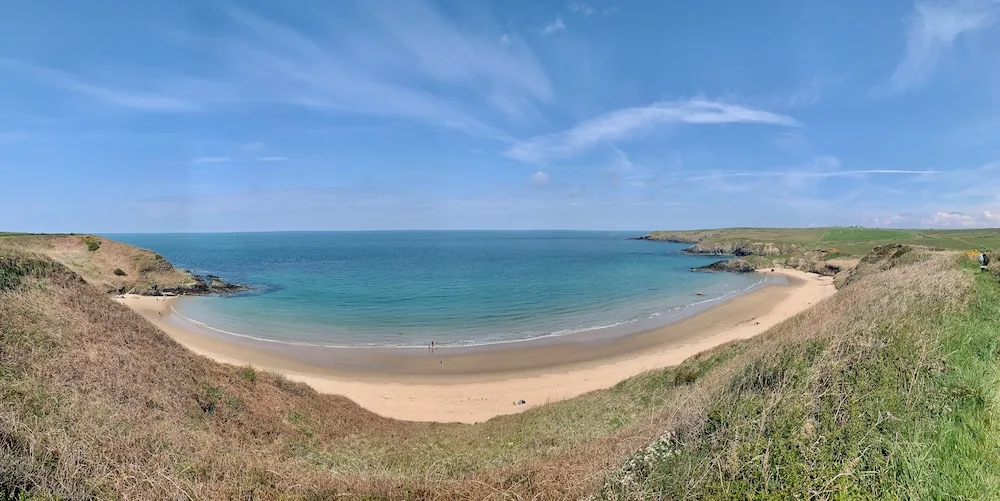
457, 288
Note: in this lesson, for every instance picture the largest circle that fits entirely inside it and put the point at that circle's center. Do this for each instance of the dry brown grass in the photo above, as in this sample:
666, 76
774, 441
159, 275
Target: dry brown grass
143, 269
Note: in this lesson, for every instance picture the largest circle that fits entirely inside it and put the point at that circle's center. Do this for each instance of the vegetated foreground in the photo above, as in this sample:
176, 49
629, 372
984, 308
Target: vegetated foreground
886, 390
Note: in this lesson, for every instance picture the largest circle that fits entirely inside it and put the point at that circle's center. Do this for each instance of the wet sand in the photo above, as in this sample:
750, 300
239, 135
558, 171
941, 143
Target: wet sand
473, 384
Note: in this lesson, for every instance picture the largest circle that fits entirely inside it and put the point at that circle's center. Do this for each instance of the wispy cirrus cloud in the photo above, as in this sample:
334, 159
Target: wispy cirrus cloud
126, 98
933, 29
273, 159
386, 69
211, 160
410, 62
625, 123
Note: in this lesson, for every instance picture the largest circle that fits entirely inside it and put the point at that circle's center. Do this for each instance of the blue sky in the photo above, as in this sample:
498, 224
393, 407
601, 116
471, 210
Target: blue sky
315, 115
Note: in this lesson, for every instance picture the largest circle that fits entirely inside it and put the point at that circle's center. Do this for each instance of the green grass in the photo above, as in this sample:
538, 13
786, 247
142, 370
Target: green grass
850, 242
899, 402
863, 235
962, 457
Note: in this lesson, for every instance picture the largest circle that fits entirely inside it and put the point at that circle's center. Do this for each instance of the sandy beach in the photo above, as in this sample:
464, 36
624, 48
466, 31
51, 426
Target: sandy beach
475, 384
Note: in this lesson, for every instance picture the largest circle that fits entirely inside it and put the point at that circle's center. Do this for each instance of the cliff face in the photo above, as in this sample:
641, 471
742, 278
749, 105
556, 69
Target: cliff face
742, 248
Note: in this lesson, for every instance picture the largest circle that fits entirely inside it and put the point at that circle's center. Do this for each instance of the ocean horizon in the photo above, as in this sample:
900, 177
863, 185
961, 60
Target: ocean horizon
406, 288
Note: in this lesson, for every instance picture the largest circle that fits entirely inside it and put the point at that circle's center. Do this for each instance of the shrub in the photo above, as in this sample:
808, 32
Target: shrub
248, 373
92, 243
120, 272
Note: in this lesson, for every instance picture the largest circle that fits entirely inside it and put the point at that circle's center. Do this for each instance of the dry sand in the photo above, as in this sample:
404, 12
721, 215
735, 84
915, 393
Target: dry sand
473, 385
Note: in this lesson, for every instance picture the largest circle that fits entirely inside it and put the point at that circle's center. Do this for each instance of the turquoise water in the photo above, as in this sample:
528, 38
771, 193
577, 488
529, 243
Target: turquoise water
406, 288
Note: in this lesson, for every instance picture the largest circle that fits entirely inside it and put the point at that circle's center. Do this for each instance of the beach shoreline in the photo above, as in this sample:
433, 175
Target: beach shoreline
475, 384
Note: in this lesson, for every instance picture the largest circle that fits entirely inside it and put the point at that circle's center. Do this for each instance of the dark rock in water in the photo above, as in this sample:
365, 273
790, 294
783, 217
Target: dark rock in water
209, 284
729, 265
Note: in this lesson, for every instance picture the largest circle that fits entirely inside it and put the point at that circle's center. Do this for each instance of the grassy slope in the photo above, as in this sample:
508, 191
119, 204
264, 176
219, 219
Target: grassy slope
884, 390
848, 241
142, 268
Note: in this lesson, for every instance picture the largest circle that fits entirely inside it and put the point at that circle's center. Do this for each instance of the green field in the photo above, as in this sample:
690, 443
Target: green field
863, 234
848, 241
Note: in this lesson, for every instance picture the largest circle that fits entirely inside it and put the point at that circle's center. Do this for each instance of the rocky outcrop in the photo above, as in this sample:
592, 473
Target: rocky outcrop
658, 236
741, 248
705, 243
729, 265
209, 284
881, 258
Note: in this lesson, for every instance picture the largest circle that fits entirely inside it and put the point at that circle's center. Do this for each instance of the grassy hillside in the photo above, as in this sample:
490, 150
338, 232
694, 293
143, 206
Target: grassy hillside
849, 242
96, 259
886, 390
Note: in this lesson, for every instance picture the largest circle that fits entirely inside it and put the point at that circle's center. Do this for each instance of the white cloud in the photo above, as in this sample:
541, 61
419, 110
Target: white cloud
136, 100
951, 220
272, 159
581, 7
890, 220
625, 123
554, 26
991, 216
211, 160
540, 178
933, 28
385, 69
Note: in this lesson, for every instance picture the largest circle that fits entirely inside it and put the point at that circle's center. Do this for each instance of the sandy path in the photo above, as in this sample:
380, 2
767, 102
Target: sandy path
470, 398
